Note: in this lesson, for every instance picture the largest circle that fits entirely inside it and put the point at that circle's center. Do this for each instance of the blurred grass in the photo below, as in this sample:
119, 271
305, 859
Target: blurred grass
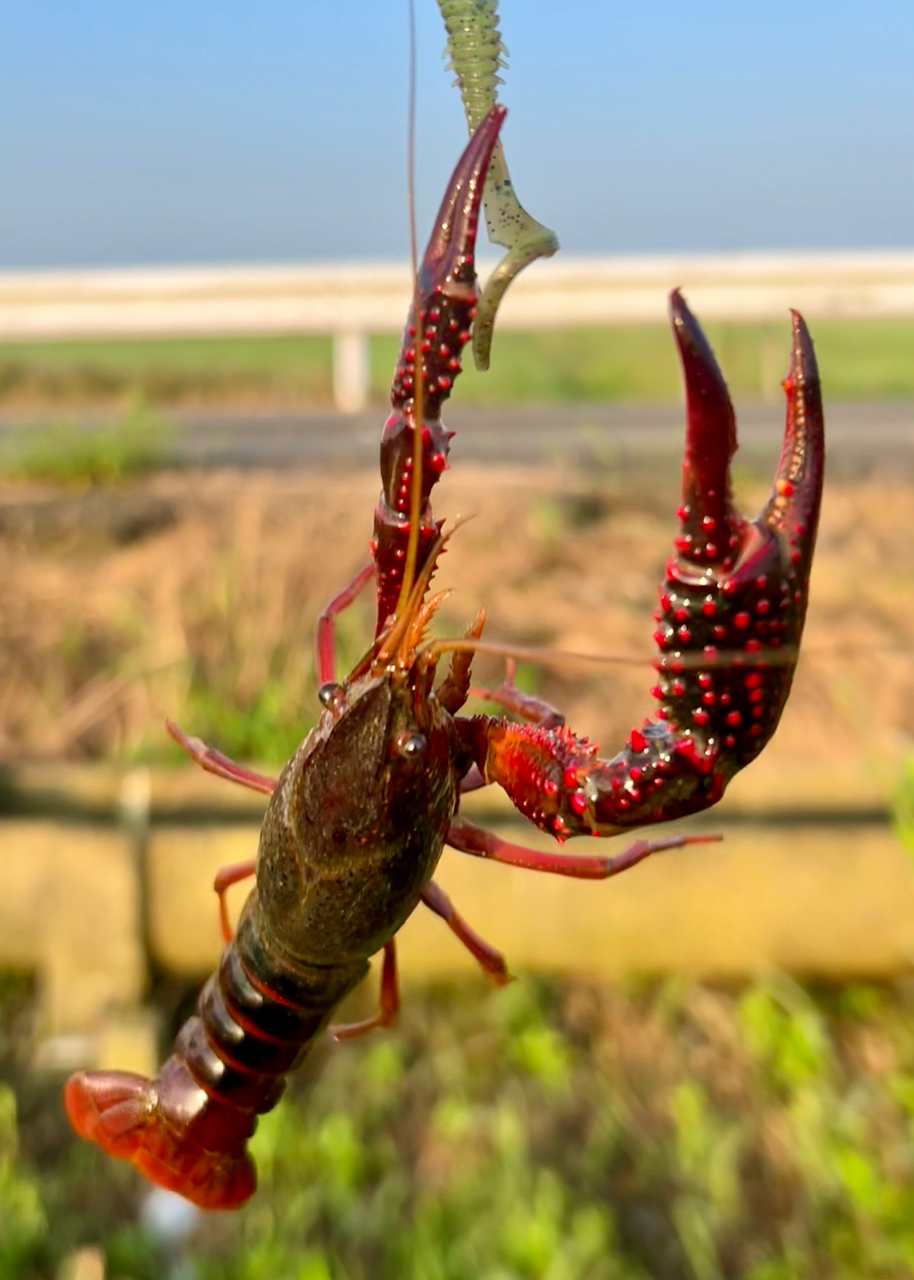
70, 453
637, 363
544, 1133
263, 716
165, 371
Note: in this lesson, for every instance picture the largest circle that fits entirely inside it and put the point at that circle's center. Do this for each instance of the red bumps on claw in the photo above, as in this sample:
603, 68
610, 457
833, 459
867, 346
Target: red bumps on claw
741, 585
731, 616
447, 299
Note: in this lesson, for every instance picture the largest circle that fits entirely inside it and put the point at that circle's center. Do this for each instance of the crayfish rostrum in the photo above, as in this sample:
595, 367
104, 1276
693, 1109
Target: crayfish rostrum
357, 820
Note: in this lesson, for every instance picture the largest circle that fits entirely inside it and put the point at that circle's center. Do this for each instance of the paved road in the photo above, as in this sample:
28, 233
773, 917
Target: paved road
861, 436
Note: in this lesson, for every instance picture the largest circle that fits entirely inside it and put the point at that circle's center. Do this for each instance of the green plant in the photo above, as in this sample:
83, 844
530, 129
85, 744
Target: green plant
78, 453
547, 1132
23, 1223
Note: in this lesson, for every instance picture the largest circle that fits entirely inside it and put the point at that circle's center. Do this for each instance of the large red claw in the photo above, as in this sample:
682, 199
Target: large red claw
731, 616
446, 308
734, 601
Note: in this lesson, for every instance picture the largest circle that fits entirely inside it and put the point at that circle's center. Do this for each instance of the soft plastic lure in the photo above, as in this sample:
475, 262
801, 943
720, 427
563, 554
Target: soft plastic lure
476, 53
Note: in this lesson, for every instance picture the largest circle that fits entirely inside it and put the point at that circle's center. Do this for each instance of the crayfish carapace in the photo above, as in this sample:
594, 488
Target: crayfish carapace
357, 821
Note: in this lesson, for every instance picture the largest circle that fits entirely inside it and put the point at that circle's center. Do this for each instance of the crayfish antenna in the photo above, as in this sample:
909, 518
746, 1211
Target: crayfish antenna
793, 508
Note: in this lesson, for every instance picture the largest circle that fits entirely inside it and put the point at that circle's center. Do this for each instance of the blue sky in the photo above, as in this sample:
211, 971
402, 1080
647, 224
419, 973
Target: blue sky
148, 131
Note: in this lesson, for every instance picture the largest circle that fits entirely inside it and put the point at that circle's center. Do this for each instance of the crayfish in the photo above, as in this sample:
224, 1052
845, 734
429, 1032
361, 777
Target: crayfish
359, 816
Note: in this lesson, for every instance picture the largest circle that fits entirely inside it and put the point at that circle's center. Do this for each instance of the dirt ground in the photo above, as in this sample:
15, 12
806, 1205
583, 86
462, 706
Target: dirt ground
187, 592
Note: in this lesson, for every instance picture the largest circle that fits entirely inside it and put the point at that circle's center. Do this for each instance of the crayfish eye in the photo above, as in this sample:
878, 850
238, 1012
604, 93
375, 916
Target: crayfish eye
411, 745
330, 695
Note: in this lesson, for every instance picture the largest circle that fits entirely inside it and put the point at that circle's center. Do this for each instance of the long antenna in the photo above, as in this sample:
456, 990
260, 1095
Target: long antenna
415, 512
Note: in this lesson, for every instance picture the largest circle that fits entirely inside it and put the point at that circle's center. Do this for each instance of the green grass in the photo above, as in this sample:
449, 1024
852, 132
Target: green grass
871, 359
638, 364
72, 454
545, 1132
166, 371
23, 1224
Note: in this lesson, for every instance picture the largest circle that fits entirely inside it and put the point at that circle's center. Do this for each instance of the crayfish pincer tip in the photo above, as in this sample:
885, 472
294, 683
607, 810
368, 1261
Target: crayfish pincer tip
681, 317
804, 395
458, 217
796, 495
685, 326
699, 365
710, 438
803, 353
473, 165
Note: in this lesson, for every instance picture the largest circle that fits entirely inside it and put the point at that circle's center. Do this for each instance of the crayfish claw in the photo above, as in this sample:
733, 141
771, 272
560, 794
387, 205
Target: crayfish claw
734, 601
732, 608
710, 527
445, 304
793, 509
450, 252
438, 328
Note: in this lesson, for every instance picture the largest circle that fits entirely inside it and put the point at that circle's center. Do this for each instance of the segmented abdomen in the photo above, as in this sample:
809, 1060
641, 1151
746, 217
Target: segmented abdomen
188, 1129
257, 1016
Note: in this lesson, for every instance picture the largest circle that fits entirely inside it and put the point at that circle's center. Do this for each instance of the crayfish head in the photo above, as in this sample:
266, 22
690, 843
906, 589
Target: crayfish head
367, 800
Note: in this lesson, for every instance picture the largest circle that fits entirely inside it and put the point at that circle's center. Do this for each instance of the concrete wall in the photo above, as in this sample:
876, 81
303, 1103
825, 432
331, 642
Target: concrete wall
809, 878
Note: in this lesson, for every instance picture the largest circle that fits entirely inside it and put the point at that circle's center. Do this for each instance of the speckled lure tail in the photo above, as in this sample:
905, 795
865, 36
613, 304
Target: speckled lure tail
476, 54
357, 820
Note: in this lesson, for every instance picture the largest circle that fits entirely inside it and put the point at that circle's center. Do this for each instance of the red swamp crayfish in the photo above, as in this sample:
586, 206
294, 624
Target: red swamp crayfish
358, 819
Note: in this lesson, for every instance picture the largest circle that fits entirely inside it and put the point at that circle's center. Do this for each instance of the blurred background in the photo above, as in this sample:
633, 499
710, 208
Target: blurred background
706, 1068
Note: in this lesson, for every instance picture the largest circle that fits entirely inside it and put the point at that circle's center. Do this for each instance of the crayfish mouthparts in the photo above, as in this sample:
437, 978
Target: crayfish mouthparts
731, 616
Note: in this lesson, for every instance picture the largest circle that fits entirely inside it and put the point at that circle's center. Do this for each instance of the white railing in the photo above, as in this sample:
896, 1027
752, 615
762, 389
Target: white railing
352, 301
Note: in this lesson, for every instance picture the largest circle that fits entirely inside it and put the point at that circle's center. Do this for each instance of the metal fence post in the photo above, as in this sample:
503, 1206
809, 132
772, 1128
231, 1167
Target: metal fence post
351, 372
